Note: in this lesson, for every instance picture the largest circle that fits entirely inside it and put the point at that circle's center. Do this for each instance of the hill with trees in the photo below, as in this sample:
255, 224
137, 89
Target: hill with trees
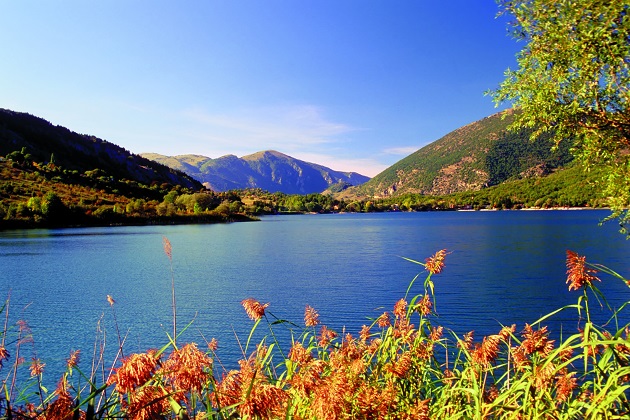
269, 170
476, 156
51, 176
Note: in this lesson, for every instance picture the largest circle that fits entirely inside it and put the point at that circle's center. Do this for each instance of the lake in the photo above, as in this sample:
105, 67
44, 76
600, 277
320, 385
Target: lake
502, 268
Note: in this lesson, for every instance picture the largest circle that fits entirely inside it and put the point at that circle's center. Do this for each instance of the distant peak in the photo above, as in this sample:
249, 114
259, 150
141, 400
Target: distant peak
266, 153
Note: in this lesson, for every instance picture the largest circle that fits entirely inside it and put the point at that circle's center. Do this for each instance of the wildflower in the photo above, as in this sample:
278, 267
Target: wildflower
73, 360
578, 275
254, 309
506, 332
519, 357
365, 333
299, 354
466, 342
400, 367
486, 352
565, 354
400, 309
135, 370
250, 393
436, 333
435, 263
543, 374
491, 394
424, 350
148, 402
325, 336
187, 368
404, 329
374, 346
384, 320
4, 354
63, 407
213, 345
565, 384
308, 377
419, 412
37, 367
370, 403
536, 341
448, 376
311, 317
168, 249
425, 305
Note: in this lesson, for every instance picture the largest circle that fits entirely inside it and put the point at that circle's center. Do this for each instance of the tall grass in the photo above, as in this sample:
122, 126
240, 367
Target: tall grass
401, 366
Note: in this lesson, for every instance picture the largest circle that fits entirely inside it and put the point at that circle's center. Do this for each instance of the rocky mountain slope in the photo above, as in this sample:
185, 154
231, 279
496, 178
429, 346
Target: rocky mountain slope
269, 170
477, 155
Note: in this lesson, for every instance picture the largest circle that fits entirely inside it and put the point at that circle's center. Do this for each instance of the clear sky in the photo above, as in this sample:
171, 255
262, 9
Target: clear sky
355, 85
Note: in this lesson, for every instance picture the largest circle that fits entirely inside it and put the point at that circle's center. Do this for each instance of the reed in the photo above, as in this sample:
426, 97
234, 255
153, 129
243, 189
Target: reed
403, 365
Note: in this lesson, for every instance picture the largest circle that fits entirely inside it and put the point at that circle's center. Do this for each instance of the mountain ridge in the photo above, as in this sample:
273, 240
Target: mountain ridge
81, 152
475, 156
269, 170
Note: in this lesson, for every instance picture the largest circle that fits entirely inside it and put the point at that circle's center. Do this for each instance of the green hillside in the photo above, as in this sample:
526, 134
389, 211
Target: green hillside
53, 177
470, 158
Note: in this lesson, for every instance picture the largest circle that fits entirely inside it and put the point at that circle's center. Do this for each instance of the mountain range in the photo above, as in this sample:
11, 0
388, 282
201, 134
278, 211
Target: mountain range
479, 155
268, 170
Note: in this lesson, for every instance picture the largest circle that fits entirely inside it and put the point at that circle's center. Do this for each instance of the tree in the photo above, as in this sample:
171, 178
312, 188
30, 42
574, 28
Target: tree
573, 82
52, 207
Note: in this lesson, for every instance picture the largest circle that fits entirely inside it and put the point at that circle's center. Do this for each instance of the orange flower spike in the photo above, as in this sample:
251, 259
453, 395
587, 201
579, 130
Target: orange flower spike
578, 274
565, 384
73, 360
187, 368
135, 370
384, 320
254, 309
435, 263
4, 354
400, 309
425, 305
436, 333
311, 317
326, 336
37, 367
213, 345
63, 407
299, 354
536, 341
365, 333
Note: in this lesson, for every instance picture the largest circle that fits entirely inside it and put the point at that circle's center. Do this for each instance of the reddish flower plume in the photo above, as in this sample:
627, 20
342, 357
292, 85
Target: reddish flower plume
578, 274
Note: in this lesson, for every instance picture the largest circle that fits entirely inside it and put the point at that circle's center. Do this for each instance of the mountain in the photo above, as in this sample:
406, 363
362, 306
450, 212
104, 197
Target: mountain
45, 142
269, 170
478, 155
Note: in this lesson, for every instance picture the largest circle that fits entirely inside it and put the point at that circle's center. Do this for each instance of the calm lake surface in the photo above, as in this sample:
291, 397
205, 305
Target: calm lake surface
503, 268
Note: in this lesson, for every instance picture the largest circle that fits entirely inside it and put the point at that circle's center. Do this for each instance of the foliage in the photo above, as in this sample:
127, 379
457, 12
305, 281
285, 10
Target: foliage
403, 365
573, 81
25, 138
35, 194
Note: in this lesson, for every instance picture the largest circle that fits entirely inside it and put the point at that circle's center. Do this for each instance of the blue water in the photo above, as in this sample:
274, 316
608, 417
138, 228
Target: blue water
502, 268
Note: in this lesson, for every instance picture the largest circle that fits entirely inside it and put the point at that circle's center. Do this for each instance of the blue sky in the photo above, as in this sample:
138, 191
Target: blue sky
355, 85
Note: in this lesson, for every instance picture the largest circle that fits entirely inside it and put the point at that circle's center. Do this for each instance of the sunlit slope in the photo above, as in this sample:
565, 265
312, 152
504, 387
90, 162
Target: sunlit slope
474, 156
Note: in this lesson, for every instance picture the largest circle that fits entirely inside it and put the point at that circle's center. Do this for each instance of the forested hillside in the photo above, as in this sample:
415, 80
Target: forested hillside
48, 143
470, 158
